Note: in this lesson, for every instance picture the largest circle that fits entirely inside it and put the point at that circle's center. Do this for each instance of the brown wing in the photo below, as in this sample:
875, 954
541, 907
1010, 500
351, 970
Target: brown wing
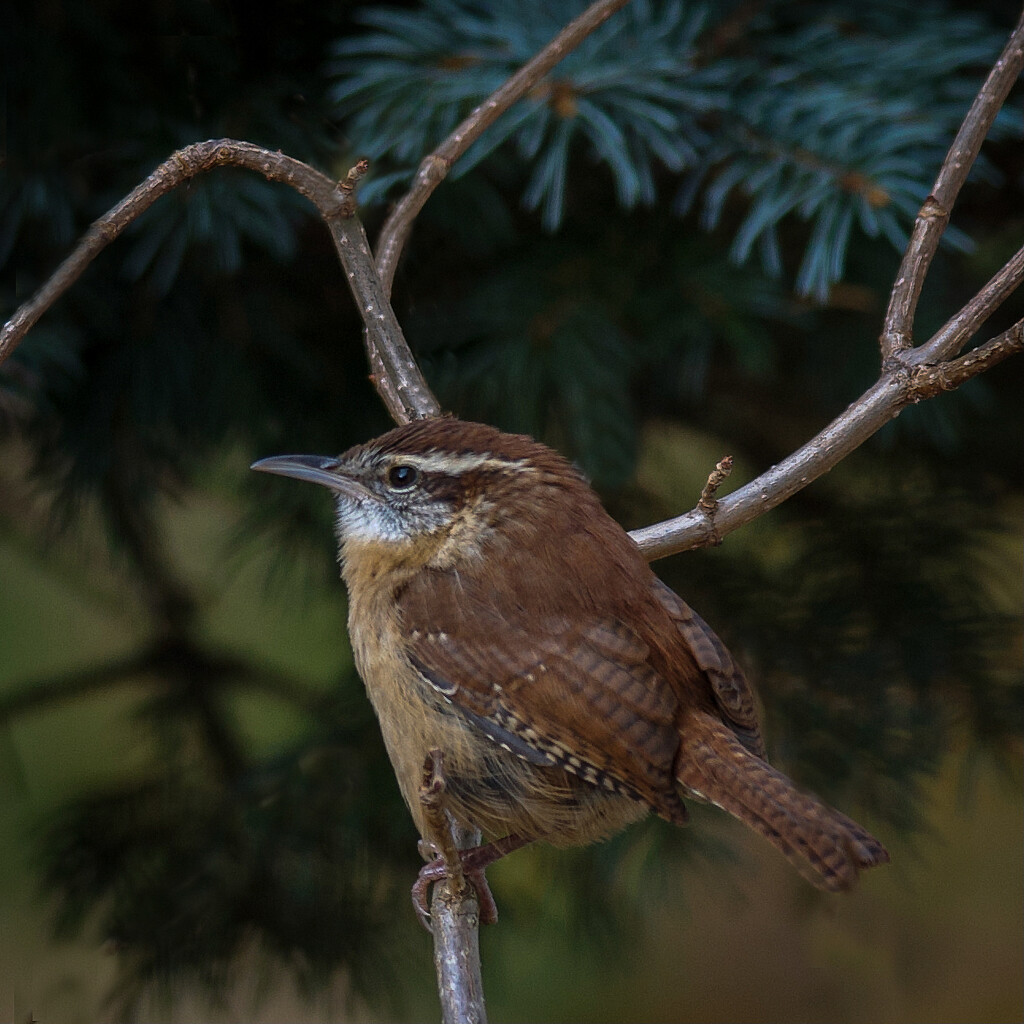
732, 693
577, 694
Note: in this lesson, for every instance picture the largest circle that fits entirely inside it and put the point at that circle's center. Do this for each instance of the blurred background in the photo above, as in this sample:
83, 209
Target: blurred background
679, 247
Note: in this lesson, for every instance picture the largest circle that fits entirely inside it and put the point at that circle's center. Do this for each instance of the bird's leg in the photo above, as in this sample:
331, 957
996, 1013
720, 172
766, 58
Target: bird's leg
445, 859
440, 845
440, 848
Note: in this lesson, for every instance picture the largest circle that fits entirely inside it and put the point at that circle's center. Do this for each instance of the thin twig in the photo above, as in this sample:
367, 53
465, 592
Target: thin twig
929, 381
434, 168
845, 433
898, 331
347, 187
708, 502
955, 333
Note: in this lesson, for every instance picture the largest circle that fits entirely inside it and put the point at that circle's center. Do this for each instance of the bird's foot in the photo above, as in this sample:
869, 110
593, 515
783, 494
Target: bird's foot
472, 862
436, 870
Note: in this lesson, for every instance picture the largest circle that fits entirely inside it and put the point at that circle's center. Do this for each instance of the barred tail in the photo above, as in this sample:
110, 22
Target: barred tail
825, 846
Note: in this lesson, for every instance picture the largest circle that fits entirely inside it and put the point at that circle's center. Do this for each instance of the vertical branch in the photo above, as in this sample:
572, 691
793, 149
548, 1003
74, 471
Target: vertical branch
898, 331
396, 375
455, 925
455, 922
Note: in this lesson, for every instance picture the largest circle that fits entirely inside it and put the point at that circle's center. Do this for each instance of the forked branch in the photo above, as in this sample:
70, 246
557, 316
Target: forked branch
401, 385
909, 375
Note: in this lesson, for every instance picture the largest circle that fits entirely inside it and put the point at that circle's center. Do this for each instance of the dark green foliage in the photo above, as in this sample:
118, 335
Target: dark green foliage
299, 855
583, 276
822, 125
801, 110
523, 352
632, 91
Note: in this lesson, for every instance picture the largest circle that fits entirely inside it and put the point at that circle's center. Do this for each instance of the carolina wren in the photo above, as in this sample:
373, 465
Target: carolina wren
500, 616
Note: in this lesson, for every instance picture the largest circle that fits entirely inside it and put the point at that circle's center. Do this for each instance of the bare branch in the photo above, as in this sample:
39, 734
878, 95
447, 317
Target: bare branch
929, 381
179, 167
954, 334
434, 168
848, 431
454, 919
395, 373
898, 331
397, 228
455, 923
893, 392
393, 370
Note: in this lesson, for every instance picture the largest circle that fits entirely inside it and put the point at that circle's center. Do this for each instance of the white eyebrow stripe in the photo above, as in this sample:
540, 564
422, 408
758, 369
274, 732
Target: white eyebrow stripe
446, 462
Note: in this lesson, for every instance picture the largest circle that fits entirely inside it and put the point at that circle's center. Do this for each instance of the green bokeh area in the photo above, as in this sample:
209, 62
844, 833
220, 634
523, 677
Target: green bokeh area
704, 924
653, 264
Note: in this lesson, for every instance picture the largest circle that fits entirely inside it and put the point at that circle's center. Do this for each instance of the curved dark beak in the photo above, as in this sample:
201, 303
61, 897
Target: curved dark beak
317, 469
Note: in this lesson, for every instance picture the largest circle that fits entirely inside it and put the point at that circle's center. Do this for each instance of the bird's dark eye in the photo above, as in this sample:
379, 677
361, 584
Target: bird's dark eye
402, 477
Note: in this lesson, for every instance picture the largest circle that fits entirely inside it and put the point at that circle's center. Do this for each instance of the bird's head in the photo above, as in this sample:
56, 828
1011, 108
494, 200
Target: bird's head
436, 490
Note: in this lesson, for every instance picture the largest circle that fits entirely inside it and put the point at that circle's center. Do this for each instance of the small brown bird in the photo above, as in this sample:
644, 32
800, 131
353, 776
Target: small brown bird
500, 616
